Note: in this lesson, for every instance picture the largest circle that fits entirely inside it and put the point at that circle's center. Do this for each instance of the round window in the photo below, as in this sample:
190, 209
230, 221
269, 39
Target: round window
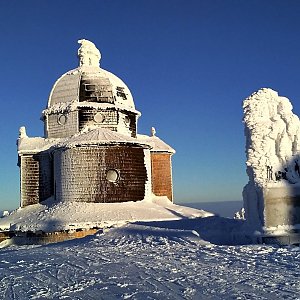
112, 175
62, 119
99, 118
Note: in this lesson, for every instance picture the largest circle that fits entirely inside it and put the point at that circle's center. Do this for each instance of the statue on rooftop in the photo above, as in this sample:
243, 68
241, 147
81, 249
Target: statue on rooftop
88, 54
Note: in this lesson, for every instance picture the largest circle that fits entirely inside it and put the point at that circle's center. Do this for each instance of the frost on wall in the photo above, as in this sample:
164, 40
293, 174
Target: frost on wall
272, 133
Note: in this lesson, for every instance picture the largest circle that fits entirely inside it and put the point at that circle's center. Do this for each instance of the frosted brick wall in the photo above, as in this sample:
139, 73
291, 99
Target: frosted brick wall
86, 117
83, 174
57, 130
36, 178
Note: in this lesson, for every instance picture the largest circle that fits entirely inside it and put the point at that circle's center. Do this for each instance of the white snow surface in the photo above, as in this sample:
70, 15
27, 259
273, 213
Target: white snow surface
52, 216
151, 260
145, 250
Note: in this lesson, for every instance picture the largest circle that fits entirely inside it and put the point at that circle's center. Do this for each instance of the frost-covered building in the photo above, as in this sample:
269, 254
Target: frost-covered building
91, 151
272, 195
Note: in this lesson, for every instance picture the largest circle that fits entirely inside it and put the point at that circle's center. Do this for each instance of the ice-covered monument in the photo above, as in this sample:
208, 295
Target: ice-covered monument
91, 151
272, 195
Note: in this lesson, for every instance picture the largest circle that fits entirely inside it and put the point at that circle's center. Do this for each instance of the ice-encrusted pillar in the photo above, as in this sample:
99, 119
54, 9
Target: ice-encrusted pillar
272, 131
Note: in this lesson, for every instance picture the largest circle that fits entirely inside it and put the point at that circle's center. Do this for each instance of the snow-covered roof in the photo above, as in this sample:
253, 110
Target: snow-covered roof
157, 144
92, 136
67, 88
98, 136
36, 144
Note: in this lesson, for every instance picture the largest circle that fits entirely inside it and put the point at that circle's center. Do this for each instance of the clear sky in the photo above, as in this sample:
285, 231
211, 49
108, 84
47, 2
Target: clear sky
189, 65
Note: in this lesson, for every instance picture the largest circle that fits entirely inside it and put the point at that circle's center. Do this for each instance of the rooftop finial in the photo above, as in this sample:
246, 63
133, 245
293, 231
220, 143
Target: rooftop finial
153, 131
88, 54
22, 132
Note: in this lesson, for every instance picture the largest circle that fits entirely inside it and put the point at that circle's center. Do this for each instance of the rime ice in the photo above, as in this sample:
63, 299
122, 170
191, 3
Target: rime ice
272, 133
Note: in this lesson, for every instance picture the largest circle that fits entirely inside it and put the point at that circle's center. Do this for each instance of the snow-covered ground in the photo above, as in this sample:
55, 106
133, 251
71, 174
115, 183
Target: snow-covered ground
148, 250
150, 260
52, 216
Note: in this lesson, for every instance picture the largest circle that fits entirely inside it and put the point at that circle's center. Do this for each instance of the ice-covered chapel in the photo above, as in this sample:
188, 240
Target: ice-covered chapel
91, 151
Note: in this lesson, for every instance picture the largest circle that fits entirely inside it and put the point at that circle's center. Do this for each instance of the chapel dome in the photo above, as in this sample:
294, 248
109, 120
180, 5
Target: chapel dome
90, 84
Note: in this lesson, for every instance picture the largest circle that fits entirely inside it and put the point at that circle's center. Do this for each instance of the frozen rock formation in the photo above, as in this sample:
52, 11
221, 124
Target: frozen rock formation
272, 133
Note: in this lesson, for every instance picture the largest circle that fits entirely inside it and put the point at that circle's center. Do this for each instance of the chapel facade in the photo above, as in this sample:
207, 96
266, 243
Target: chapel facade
91, 150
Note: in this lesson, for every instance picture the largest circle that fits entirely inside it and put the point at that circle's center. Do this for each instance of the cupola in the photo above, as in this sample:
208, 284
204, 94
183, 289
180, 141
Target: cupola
89, 97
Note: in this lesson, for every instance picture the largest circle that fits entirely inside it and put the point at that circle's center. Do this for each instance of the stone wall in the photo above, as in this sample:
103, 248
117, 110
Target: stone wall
162, 174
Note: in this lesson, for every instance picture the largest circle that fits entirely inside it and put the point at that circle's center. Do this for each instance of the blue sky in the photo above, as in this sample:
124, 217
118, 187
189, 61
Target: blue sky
189, 65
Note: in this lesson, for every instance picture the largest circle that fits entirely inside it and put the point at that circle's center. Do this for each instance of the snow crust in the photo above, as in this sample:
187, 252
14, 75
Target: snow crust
52, 216
151, 260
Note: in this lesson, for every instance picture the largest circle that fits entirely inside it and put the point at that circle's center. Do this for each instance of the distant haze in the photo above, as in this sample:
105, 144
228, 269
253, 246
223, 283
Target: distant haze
223, 208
